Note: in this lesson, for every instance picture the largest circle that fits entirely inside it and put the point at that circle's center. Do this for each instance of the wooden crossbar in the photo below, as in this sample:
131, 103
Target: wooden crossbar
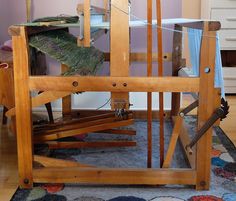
114, 84
115, 176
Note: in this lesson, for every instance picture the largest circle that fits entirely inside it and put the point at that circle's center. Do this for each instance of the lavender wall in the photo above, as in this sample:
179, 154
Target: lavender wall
13, 12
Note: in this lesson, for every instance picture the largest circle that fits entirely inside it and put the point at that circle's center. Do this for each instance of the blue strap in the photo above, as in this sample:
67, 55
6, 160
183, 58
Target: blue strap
195, 38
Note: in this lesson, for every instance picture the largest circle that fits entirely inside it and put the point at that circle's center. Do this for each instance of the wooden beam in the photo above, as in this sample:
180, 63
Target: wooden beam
42, 99
149, 74
206, 106
66, 100
87, 28
173, 142
23, 109
114, 84
212, 25
119, 64
119, 132
81, 145
79, 131
160, 74
53, 162
176, 65
115, 176
142, 57
76, 125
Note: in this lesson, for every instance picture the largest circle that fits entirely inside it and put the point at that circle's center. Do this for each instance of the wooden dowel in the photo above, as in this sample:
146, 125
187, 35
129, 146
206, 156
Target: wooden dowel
149, 74
160, 73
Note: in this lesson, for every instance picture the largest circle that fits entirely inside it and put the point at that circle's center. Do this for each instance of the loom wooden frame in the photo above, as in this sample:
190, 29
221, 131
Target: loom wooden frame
199, 173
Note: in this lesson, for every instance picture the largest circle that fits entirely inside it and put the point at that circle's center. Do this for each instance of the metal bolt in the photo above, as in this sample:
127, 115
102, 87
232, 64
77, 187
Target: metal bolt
26, 181
181, 114
75, 84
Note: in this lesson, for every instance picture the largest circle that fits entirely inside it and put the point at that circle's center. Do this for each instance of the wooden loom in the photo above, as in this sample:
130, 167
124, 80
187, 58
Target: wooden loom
120, 84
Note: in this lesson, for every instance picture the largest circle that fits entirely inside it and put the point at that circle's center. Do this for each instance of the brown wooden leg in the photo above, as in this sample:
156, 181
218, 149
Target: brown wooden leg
66, 101
206, 107
23, 109
176, 64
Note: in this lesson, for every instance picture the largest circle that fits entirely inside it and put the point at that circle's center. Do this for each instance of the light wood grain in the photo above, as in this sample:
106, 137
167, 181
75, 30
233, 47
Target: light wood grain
119, 48
133, 84
206, 107
114, 176
173, 142
23, 109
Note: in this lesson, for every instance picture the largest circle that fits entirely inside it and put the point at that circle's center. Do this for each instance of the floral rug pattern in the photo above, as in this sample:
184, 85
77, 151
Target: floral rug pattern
223, 182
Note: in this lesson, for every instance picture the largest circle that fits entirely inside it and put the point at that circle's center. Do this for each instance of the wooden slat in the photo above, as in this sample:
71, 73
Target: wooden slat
42, 99
212, 25
119, 132
160, 74
149, 74
173, 142
74, 121
114, 176
77, 125
206, 107
142, 57
119, 64
53, 162
133, 84
79, 131
87, 28
23, 109
176, 64
80, 145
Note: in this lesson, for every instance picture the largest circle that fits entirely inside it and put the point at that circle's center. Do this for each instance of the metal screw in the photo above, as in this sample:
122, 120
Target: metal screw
26, 181
114, 84
75, 84
125, 84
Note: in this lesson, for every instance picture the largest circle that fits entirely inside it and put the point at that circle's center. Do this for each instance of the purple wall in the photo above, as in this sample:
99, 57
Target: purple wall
13, 12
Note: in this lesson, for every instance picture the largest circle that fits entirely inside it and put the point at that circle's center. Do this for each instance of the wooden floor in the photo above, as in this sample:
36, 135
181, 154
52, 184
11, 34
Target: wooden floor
8, 158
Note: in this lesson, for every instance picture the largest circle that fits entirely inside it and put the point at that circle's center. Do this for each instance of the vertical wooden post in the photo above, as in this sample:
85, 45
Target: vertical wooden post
206, 106
66, 101
149, 74
160, 74
23, 109
119, 49
87, 31
176, 64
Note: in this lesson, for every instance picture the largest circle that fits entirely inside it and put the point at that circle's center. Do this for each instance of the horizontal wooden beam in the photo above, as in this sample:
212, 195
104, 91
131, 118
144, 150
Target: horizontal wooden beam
54, 162
142, 57
115, 176
82, 145
212, 25
114, 84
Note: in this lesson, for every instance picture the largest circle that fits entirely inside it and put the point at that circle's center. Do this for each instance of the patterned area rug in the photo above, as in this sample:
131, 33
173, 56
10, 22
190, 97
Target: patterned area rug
223, 178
